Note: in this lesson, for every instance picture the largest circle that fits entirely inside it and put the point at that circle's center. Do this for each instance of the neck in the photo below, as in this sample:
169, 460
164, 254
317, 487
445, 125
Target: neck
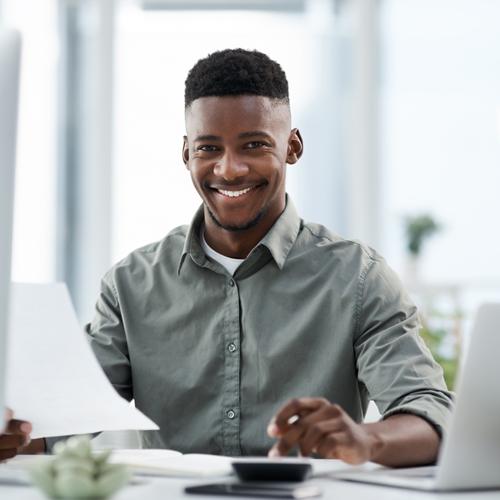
235, 244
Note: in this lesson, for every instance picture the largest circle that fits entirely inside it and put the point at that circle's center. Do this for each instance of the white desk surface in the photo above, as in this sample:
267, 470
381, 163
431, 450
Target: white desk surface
173, 488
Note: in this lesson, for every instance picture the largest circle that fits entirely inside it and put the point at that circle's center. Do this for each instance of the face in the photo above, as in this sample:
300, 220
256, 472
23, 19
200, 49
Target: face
236, 151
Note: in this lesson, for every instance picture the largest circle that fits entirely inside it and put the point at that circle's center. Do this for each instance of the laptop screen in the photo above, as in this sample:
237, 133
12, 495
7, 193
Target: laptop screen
9, 85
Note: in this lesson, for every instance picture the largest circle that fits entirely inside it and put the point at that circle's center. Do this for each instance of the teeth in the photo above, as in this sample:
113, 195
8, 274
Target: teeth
234, 194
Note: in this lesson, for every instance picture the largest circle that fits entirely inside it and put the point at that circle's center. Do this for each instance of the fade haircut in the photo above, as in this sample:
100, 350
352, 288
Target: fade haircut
234, 72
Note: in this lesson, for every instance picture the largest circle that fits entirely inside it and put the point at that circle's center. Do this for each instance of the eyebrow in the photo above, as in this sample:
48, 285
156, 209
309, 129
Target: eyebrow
243, 135
208, 138
254, 133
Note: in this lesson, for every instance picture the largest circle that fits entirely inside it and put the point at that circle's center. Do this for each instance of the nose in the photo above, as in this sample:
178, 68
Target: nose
230, 167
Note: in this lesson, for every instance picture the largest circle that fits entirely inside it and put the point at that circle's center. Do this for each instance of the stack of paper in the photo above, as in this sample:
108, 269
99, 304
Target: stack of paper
173, 463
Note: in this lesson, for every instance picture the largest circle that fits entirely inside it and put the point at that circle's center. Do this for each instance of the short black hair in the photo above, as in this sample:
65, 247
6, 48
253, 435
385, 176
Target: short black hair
236, 72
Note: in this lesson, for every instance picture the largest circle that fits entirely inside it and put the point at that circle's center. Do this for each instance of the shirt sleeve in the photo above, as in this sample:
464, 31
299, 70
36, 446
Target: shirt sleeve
107, 338
106, 335
393, 361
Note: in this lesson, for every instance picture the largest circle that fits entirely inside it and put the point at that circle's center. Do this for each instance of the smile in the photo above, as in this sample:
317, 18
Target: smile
235, 194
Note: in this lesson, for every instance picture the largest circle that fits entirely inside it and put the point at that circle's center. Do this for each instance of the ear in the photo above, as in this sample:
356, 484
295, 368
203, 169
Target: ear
295, 147
185, 151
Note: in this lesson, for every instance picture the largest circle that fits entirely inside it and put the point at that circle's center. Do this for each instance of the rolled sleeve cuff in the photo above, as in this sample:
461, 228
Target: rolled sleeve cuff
436, 410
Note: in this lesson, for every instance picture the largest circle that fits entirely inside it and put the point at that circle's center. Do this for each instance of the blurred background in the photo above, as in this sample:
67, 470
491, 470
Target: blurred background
398, 102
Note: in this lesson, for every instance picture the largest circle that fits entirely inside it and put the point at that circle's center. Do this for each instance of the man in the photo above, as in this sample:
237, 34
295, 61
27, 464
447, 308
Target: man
251, 315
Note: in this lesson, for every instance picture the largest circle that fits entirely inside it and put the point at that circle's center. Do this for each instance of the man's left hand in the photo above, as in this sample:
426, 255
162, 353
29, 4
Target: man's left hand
314, 425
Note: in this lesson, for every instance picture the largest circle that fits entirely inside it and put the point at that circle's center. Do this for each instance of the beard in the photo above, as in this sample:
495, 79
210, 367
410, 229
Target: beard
242, 227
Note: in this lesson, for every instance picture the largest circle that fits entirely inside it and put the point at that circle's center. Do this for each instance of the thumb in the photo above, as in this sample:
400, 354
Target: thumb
8, 416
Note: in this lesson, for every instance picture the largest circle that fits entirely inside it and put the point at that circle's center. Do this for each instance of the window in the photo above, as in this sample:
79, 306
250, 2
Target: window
36, 185
155, 50
441, 145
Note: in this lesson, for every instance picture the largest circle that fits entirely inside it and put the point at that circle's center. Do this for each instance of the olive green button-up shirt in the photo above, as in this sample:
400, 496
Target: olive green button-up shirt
211, 357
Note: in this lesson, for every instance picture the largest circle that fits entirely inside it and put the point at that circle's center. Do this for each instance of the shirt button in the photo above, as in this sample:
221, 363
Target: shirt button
230, 414
231, 282
231, 347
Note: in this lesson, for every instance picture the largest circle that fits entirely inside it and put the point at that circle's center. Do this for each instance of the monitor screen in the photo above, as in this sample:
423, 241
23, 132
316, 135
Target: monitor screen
9, 86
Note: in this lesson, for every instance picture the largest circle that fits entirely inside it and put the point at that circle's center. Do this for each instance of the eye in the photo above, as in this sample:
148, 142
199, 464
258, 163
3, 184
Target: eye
207, 148
255, 145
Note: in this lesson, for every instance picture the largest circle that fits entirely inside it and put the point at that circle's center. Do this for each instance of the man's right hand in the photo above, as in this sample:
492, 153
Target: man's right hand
15, 438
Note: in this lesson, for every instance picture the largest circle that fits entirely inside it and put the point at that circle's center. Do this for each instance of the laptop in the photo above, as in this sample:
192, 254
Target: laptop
9, 84
469, 458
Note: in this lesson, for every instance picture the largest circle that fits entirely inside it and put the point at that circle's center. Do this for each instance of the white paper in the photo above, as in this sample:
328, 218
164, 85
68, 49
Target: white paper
150, 462
156, 462
53, 378
141, 455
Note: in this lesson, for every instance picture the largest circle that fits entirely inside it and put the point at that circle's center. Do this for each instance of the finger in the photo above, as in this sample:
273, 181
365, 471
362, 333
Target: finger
283, 446
6, 454
330, 418
286, 442
8, 414
8, 441
342, 446
296, 407
296, 433
317, 432
330, 445
277, 430
19, 427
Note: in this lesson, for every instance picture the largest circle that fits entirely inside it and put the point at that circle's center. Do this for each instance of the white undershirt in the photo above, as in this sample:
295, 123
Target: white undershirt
228, 262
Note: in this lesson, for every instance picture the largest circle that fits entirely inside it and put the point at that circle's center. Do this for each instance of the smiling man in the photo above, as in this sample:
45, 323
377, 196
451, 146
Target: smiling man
236, 150
251, 331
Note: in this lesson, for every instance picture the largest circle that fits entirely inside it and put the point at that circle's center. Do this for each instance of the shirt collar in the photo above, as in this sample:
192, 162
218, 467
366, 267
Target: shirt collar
278, 240
192, 245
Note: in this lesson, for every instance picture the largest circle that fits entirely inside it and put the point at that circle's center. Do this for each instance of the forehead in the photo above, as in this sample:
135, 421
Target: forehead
236, 114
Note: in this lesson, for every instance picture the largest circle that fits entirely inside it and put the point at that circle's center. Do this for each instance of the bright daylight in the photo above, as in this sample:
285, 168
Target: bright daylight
249, 248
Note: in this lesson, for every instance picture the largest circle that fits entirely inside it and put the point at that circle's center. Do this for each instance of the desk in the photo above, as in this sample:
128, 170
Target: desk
171, 489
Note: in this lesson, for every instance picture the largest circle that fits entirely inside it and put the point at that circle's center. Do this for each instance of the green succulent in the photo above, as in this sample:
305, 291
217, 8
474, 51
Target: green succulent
75, 472
418, 229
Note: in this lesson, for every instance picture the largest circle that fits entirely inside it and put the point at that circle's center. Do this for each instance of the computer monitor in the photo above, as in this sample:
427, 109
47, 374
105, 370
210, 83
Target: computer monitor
9, 88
